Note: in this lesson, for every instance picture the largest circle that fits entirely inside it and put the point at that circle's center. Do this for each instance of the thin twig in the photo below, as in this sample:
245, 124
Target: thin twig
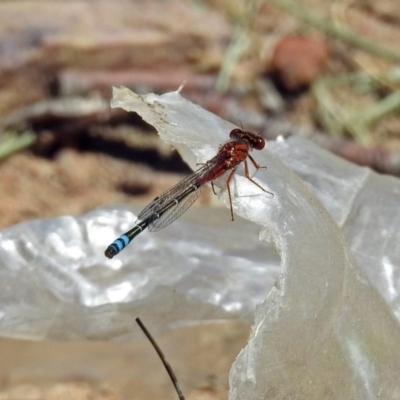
163, 359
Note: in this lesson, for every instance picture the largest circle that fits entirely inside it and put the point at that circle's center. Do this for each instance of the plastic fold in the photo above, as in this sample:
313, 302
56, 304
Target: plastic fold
321, 287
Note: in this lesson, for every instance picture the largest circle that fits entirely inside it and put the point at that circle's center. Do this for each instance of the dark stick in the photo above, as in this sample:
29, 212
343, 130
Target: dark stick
162, 357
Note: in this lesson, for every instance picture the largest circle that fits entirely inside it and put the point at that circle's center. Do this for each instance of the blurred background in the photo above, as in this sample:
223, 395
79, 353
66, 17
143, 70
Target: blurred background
329, 71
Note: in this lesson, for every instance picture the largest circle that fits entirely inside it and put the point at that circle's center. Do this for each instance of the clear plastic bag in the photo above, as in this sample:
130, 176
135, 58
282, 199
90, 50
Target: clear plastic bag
325, 274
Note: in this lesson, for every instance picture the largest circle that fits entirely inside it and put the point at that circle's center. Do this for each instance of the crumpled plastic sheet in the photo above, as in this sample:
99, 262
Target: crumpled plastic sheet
325, 274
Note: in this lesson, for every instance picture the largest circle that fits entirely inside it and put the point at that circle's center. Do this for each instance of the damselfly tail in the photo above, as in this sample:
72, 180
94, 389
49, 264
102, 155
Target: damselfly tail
119, 244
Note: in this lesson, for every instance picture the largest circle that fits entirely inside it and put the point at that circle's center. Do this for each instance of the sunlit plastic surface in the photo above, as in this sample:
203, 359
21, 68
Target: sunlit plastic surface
328, 322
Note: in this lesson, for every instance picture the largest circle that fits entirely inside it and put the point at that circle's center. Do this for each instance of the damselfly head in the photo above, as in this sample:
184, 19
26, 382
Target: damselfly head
255, 141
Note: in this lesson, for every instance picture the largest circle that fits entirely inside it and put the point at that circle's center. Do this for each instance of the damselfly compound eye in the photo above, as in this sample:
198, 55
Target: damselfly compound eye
259, 143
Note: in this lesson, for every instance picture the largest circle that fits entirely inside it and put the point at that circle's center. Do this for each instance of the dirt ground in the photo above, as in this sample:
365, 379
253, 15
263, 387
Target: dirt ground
271, 66
200, 356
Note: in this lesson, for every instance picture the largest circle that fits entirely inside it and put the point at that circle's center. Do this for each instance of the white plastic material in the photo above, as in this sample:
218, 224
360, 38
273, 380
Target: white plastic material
328, 328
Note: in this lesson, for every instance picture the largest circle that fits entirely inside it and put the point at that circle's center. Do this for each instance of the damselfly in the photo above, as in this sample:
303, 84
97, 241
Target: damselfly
166, 208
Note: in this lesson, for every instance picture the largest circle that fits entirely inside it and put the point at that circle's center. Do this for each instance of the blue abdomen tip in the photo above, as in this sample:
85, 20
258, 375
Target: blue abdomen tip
114, 248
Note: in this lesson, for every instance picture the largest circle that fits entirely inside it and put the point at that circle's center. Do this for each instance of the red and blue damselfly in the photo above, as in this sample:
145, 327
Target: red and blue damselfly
169, 206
